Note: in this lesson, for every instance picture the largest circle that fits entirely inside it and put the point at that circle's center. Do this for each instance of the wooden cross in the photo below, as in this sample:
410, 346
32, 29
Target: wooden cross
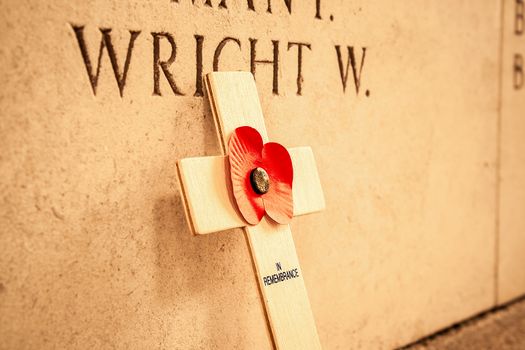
210, 207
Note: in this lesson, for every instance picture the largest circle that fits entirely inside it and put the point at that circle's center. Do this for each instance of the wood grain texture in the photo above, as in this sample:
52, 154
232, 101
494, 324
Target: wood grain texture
208, 199
234, 102
308, 194
287, 303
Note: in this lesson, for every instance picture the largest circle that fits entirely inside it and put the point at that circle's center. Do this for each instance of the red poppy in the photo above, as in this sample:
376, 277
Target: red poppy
261, 176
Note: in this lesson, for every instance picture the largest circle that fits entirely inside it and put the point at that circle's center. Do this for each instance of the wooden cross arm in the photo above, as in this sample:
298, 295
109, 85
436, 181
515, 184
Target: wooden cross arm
208, 198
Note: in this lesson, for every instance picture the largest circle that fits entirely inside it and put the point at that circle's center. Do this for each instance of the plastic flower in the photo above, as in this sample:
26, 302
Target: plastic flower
261, 176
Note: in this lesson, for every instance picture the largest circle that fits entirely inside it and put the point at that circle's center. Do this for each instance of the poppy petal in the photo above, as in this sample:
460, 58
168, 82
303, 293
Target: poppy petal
245, 146
278, 202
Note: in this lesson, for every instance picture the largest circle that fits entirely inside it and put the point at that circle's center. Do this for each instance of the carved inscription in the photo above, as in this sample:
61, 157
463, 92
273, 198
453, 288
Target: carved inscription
351, 62
105, 43
250, 5
299, 63
164, 65
168, 79
517, 67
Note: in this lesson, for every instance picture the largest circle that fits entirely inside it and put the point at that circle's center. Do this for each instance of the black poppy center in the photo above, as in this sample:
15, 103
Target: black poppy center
260, 180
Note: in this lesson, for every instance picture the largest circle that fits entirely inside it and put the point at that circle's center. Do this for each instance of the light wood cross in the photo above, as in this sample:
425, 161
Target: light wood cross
210, 207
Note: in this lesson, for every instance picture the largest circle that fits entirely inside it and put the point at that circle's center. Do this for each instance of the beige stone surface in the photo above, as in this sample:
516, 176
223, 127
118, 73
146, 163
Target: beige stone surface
511, 271
95, 249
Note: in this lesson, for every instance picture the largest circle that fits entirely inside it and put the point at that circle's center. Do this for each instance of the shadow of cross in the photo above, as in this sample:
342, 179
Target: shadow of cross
210, 207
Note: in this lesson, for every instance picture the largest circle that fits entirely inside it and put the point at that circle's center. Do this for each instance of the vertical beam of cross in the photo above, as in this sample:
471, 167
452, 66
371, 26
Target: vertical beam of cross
210, 207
